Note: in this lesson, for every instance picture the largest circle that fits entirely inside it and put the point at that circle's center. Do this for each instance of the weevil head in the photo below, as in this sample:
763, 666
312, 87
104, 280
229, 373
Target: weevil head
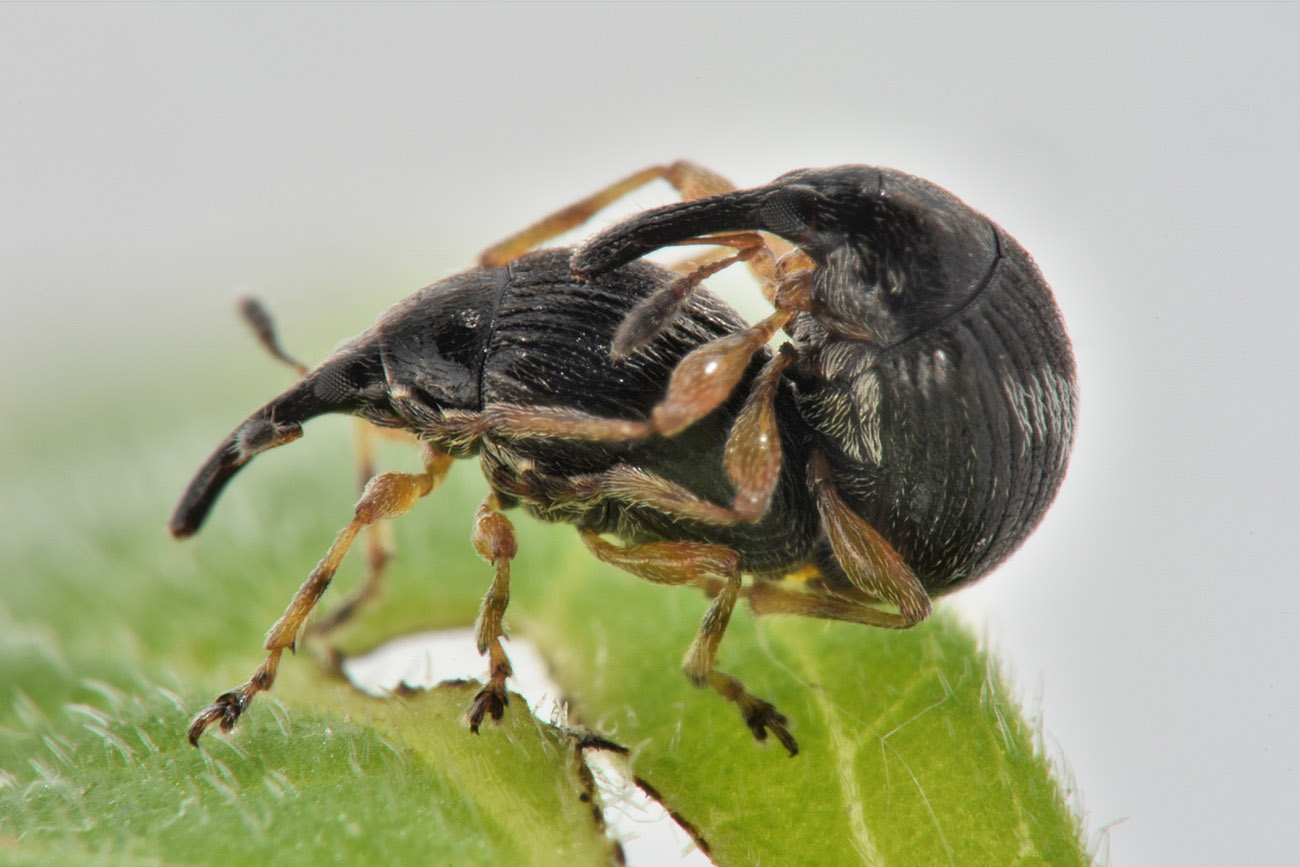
419, 358
893, 253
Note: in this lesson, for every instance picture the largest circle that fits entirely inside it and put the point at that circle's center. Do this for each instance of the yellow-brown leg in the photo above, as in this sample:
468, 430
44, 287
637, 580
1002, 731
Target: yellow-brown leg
766, 597
494, 539
385, 497
706, 376
872, 565
753, 454
669, 563
699, 384
378, 546
689, 179
709, 374
695, 563
653, 314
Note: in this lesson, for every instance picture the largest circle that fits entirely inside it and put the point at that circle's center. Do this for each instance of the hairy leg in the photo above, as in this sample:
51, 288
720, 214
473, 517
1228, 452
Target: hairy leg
695, 563
385, 497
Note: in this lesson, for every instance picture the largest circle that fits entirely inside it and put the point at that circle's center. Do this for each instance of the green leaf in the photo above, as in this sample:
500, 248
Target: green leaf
112, 636
910, 750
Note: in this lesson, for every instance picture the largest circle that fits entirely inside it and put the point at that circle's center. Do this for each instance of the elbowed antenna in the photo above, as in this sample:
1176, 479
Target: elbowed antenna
324, 390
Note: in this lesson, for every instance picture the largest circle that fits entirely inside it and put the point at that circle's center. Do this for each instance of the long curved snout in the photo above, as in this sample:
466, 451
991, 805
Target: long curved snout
259, 433
327, 389
661, 227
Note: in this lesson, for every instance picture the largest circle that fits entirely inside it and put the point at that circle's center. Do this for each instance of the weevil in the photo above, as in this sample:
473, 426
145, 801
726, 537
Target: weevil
903, 441
930, 360
511, 365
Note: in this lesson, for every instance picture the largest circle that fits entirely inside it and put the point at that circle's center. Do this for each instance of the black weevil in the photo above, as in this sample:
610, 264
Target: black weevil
904, 442
930, 360
512, 364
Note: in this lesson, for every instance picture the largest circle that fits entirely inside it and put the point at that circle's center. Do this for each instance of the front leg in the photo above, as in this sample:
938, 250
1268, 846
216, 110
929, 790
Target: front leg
378, 542
386, 496
708, 374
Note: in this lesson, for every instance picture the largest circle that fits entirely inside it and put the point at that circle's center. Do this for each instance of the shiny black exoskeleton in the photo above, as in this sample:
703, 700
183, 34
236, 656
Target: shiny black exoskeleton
931, 358
531, 335
512, 365
906, 440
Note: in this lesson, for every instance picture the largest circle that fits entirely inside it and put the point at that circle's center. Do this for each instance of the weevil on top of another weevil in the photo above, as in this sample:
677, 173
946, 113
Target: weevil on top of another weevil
929, 359
905, 441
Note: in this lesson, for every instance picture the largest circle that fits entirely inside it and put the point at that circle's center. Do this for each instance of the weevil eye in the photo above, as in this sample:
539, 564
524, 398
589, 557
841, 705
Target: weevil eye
792, 212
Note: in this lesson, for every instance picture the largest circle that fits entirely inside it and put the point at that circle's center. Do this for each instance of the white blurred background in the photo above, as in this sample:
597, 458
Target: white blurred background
158, 160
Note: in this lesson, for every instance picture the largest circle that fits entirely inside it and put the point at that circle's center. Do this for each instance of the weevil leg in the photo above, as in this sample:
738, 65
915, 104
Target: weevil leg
494, 539
378, 541
753, 452
696, 563
621, 482
690, 180
637, 487
699, 384
871, 564
515, 421
386, 496
652, 315
784, 282
752, 459
707, 375
668, 563
766, 597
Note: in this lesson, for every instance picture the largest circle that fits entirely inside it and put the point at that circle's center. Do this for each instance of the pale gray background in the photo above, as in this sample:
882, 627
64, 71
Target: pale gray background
157, 160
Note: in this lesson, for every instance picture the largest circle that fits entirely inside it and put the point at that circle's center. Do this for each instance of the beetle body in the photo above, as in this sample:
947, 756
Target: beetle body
550, 348
530, 334
932, 362
501, 364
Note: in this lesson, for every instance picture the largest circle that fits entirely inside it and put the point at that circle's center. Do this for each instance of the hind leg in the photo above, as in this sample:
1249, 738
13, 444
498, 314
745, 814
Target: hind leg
694, 563
752, 457
690, 180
